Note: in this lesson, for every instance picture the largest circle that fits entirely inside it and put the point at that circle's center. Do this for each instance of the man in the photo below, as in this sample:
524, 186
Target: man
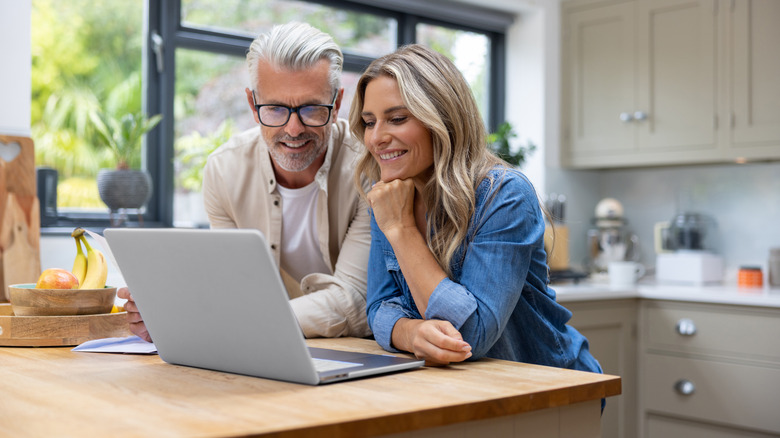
292, 178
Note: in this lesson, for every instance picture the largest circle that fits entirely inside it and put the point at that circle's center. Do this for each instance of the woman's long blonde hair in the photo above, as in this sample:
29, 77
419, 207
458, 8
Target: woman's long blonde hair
436, 93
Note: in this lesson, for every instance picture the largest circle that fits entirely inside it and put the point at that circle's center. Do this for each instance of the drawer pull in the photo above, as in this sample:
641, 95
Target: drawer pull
686, 327
684, 387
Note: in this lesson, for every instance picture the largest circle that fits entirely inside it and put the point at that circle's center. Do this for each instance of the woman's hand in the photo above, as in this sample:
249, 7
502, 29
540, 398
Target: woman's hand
137, 325
393, 205
436, 341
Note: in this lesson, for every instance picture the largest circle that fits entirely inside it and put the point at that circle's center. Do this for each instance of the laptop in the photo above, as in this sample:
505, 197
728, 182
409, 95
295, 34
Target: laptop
214, 299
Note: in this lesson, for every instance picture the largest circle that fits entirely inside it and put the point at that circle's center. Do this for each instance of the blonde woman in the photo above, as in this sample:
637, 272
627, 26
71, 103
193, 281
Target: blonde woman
457, 268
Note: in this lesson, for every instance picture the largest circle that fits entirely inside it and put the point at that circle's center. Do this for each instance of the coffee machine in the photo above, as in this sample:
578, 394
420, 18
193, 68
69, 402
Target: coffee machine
610, 239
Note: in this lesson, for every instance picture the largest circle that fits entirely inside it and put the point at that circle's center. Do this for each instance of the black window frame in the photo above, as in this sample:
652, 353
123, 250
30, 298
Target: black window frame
162, 23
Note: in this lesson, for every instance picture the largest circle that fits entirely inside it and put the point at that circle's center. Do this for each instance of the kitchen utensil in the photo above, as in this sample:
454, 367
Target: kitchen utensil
27, 300
20, 259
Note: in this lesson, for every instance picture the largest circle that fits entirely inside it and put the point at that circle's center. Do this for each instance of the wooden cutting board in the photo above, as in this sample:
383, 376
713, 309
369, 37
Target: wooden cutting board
59, 331
20, 229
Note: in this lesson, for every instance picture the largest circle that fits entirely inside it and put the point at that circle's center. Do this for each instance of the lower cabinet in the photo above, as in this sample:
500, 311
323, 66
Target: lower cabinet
610, 326
708, 370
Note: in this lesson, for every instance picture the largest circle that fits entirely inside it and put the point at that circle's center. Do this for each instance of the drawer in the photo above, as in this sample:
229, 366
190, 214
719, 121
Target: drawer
723, 393
666, 427
744, 333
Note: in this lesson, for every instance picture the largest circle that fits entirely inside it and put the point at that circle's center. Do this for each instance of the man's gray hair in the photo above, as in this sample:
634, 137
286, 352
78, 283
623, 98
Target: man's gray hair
295, 46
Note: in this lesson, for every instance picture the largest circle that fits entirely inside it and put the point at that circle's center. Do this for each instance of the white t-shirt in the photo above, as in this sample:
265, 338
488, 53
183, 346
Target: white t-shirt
300, 252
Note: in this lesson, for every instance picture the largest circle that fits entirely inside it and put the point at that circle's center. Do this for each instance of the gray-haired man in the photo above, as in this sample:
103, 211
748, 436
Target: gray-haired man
292, 178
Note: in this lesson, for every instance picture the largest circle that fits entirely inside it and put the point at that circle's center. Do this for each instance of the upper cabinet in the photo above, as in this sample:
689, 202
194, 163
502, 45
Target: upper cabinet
659, 82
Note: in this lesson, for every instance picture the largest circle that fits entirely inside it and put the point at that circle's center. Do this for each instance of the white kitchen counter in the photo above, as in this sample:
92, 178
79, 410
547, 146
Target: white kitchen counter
597, 289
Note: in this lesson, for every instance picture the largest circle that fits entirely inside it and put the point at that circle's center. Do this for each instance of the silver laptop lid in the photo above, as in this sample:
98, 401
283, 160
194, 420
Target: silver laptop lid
213, 299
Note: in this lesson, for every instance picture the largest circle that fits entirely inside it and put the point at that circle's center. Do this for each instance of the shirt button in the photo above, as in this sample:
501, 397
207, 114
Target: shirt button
276, 202
271, 182
273, 246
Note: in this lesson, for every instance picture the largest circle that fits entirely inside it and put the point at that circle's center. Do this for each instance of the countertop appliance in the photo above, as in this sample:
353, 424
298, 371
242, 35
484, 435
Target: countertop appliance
688, 253
610, 239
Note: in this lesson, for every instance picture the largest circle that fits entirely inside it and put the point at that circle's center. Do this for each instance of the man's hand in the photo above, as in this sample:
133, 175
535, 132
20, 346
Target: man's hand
434, 340
137, 325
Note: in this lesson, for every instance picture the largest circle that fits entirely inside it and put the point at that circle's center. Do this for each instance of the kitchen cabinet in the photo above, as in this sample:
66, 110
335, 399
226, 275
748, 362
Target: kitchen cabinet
708, 370
610, 327
755, 89
658, 82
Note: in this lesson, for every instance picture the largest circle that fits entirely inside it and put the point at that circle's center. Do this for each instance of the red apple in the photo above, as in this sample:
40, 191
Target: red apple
56, 278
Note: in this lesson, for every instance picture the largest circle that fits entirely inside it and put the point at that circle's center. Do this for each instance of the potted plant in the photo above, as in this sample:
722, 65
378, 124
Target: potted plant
499, 144
123, 187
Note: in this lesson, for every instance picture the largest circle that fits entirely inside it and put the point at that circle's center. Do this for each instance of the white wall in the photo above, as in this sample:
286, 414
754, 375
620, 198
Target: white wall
15, 69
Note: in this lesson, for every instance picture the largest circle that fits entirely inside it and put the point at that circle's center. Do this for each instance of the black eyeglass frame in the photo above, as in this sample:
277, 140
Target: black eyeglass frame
295, 110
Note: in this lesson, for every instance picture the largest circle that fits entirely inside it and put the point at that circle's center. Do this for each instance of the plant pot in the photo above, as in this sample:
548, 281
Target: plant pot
124, 188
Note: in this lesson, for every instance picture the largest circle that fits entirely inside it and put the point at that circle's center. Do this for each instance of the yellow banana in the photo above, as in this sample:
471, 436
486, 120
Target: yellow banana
97, 268
80, 262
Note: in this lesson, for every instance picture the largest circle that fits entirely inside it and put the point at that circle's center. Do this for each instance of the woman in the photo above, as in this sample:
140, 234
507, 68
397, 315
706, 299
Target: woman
457, 268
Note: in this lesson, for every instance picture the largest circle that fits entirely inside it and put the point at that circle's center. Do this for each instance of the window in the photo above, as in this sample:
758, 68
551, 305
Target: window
192, 71
86, 57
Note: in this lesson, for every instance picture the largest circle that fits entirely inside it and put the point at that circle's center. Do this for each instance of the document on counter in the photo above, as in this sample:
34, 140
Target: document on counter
130, 344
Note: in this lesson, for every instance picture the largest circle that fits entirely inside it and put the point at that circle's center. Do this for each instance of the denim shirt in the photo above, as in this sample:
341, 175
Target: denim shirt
497, 295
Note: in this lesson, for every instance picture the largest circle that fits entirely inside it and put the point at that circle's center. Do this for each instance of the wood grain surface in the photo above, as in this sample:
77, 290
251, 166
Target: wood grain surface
47, 331
57, 392
20, 229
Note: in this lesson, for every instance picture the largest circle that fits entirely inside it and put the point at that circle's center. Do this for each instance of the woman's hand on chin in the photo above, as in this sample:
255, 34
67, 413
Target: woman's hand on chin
393, 204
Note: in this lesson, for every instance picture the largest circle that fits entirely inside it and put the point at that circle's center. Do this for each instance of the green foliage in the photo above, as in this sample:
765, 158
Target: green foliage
86, 57
123, 136
499, 143
192, 152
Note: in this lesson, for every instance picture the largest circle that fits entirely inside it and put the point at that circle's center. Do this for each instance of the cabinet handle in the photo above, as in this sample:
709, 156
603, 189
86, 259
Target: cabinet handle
640, 115
684, 387
626, 117
686, 327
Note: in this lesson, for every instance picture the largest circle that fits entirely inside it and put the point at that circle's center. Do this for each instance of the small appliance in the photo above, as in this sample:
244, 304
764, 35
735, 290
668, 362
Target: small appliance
610, 240
686, 250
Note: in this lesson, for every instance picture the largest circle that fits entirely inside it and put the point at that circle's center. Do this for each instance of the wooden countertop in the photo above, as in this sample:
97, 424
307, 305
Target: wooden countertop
52, 391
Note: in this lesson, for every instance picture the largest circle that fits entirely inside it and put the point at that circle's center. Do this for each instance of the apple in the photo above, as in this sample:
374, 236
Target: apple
56, 278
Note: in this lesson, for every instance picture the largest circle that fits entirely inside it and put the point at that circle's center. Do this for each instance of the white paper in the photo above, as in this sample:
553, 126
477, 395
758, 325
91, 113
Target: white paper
103, 243
130, 344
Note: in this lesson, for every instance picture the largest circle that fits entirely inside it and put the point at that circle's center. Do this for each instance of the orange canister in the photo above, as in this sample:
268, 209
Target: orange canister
750, 276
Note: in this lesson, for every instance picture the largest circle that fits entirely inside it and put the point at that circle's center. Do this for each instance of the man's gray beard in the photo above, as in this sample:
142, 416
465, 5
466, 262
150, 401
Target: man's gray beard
297, 162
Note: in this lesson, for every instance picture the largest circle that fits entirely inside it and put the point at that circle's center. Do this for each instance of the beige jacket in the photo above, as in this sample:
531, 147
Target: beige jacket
239, 190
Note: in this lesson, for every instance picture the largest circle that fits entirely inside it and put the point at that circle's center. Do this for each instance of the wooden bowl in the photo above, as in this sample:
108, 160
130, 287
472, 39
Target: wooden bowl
26, 300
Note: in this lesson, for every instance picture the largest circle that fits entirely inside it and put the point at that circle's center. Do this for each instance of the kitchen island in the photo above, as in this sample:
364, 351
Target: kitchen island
53, 391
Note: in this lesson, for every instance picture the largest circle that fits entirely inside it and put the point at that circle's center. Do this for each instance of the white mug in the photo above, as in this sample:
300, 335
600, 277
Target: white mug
623, 273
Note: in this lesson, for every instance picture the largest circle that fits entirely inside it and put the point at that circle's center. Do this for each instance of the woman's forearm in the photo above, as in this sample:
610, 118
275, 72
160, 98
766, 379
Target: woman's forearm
417, 263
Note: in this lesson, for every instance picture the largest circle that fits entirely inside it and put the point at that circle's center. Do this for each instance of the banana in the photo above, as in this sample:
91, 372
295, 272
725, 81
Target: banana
80, 262
97, 267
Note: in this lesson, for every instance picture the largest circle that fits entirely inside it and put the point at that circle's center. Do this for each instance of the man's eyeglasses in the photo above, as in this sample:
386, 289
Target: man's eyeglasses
314, 115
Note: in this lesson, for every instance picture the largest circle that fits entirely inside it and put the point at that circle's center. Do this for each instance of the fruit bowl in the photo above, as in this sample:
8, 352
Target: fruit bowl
27, 300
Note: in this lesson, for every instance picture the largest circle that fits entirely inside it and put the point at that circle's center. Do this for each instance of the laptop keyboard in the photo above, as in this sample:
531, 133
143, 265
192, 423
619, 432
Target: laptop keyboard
322, 365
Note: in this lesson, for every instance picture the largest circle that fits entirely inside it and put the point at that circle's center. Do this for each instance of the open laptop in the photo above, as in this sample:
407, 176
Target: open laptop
214, 299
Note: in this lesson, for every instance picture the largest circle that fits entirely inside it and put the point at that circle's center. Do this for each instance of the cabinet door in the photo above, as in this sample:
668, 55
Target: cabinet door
677, 82
756, 69
610, 327
599, 45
